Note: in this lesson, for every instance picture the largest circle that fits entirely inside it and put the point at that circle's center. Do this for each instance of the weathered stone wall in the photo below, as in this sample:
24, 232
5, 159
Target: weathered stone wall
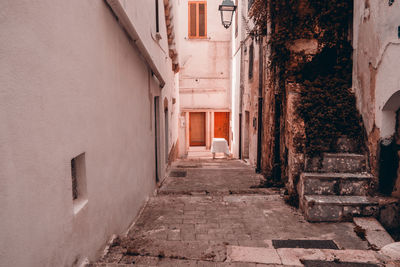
269, 128
295, 136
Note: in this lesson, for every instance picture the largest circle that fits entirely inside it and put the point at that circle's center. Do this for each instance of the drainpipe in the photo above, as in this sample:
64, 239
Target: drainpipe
129, 28
260, 104
241, 99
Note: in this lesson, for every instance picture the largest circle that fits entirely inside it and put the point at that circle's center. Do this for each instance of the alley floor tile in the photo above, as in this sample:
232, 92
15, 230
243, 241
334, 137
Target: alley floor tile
197, 230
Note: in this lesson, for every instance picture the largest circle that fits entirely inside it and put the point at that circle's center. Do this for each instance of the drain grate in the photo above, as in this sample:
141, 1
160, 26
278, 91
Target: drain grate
177, 174
314, 263
187, 166
290, 243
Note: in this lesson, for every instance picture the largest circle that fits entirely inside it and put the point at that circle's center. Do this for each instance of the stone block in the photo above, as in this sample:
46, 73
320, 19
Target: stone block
375, 234
315, 183
389, 216
346, 145
392, 251
253, 255
343, 162
319, 208
292, 256
355, 187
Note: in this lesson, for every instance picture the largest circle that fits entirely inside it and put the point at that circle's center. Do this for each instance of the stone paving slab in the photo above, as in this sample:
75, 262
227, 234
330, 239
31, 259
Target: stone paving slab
197, 230
208, 176
201, 227
253, 254
375, 234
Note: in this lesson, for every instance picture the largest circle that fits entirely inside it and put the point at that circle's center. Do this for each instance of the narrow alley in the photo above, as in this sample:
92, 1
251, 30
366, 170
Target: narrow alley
199, 133
211, 213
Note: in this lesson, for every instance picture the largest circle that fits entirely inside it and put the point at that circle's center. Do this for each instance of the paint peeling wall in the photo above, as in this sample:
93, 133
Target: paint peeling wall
376, 67
71, 82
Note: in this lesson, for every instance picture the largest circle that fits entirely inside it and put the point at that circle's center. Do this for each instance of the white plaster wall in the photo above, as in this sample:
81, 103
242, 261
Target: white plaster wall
250, 87
238, 36
142, 14
376, 61
70, 82
205, 64
387, 83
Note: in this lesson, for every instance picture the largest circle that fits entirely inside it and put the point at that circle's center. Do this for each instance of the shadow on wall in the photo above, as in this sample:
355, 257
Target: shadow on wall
389, 149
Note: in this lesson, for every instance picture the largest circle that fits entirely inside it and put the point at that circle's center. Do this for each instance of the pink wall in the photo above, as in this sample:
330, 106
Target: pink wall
70, 82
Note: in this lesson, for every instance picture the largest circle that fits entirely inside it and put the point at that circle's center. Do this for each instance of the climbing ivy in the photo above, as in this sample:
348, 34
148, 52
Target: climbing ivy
327, 104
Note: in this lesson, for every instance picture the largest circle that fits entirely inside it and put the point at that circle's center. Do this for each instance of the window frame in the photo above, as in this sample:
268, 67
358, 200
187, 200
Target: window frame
197, 20
251, 60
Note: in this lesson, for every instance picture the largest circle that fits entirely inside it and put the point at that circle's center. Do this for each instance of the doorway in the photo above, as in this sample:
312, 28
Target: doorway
246, 143
157, 137
197, 128
166, 134
221, 125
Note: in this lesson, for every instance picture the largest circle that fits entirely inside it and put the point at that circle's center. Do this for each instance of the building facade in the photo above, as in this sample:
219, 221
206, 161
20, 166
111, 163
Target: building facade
376, 83
204, 80
247, 83
89, 115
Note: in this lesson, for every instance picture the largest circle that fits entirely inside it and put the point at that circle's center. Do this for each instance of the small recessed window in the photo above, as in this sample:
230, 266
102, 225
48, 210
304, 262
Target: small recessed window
78, 178
251, 60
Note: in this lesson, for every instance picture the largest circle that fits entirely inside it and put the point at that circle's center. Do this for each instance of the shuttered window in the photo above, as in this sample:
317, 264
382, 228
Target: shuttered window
197, 19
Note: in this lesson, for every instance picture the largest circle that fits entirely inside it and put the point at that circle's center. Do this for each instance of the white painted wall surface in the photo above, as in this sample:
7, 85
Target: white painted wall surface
205, 64
376, 61
70, 82
142, 14
250, 87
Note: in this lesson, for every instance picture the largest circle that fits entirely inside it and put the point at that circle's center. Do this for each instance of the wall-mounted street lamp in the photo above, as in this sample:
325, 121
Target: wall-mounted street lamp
227, 8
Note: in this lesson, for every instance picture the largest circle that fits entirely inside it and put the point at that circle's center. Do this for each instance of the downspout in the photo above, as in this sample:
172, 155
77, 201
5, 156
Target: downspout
128, 27
260, 103
241, 86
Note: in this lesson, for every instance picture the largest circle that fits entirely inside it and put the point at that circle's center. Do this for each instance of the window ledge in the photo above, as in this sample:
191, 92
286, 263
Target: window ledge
198, 38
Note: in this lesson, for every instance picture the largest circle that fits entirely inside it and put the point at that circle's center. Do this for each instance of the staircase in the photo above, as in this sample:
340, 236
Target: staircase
334, 187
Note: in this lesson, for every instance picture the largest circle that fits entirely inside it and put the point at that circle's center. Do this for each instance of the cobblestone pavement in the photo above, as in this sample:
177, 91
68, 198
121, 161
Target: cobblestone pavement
217, 176
196, 220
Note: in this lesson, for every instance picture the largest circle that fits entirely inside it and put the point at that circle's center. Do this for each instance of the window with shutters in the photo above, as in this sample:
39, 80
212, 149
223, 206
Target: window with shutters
197, 15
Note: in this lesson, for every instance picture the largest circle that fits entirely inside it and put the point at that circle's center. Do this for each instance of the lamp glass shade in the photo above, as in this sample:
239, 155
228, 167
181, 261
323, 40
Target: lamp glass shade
227, 8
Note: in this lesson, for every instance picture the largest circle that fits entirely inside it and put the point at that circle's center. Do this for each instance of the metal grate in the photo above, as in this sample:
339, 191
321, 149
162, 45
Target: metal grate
290, 243
187, 166
315, 263
177, 174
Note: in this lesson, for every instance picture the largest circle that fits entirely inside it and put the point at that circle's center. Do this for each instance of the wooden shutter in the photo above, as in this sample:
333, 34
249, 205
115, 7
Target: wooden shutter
192, 20
202, 20
197, 18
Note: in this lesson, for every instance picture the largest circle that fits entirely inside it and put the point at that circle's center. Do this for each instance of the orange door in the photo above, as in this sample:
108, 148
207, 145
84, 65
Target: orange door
221, 125
197, 128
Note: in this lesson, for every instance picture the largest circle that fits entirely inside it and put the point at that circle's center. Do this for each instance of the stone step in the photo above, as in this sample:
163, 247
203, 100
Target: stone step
314, 183
318, 208
343, 162
373, 232
345, 144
